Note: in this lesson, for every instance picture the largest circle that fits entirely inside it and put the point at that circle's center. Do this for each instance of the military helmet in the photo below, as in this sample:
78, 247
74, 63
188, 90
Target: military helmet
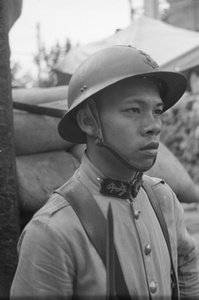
107, 67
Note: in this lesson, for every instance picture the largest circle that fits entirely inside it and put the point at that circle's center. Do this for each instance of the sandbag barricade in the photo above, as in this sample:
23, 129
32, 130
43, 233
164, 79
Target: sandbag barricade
36, 133
39, 95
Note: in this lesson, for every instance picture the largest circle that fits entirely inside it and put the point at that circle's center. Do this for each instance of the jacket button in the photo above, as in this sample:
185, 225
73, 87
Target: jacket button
136, 214
153, 287
147, 249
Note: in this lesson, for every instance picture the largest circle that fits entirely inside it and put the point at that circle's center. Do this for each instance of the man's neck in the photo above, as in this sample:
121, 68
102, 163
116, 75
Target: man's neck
110, 167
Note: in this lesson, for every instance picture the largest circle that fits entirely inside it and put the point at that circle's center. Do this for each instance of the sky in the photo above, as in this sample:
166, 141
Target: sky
82, 21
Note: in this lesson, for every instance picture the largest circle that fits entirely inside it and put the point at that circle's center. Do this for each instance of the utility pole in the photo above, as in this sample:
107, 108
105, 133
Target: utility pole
151, 8
131, 9
9, 212
38, 30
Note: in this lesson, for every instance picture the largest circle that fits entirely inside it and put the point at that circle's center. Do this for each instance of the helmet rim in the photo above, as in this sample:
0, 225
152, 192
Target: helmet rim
174, 82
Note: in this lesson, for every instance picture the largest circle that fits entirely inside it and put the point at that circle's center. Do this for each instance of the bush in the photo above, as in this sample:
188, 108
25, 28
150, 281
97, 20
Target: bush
181, 133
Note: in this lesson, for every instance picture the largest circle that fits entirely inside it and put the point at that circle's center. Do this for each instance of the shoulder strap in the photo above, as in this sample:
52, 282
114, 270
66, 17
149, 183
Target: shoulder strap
94, 223
155, 204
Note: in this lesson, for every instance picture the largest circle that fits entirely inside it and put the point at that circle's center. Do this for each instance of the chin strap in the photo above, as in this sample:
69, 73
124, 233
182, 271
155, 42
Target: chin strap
99, 139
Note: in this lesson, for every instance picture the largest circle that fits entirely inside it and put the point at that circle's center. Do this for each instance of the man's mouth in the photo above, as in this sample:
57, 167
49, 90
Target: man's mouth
150, 148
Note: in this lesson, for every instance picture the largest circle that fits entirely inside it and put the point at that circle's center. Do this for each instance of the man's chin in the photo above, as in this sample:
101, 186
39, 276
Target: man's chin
148, 165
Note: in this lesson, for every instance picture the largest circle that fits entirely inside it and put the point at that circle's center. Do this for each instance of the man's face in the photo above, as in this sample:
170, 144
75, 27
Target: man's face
130, 117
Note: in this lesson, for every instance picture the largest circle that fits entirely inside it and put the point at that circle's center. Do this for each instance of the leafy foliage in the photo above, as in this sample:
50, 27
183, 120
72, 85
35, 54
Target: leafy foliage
46, 61
181, 133
19, 80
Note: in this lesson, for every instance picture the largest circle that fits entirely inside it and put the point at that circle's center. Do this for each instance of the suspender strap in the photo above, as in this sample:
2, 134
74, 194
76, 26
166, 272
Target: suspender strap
155, 204
94, 223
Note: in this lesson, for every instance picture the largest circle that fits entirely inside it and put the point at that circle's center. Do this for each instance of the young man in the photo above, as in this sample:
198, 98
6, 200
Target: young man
116, 98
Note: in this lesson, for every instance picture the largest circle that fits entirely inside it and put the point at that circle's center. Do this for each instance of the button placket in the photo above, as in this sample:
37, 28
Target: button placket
145, 243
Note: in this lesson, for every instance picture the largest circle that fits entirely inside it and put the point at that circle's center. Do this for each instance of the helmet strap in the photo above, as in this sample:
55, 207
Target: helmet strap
94, 115
99, 140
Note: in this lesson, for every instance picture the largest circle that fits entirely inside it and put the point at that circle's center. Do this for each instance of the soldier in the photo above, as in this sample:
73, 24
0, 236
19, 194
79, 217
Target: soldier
116, 98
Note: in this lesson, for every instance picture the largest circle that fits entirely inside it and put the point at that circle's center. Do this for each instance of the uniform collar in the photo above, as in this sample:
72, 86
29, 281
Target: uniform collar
110, 187
90, 175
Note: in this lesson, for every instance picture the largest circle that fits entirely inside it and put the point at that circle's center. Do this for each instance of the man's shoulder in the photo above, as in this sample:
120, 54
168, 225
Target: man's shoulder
55, 221
57, 212
166, 196
57, 203
153, 181
157, 183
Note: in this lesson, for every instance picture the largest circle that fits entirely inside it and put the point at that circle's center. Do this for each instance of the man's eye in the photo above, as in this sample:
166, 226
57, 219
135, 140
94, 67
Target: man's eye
134, 109
158, 111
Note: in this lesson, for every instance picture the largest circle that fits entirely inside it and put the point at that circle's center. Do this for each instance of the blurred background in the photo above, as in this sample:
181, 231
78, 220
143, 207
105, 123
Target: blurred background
57, 26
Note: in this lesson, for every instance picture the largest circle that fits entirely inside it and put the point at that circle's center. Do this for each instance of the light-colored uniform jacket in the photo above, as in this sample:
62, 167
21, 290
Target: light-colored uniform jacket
58, 261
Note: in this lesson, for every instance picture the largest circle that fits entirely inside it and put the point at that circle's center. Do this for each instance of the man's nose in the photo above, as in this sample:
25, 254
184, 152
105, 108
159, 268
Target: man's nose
152, 125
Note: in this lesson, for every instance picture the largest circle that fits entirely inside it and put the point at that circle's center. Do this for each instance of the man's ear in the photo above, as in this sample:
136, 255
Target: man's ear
84, 121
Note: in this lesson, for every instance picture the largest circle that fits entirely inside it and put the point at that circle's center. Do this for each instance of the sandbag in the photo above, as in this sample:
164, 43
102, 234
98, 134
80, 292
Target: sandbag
36, 133
39, 95
169, 168
40, 174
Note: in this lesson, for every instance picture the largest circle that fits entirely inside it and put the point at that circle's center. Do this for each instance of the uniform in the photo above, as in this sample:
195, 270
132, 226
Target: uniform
62, 246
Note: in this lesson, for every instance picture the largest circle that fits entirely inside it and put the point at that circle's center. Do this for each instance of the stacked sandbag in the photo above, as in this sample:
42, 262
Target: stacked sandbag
42, 157
36, 134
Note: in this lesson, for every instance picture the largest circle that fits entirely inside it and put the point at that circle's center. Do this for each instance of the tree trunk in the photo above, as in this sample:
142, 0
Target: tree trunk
9, 212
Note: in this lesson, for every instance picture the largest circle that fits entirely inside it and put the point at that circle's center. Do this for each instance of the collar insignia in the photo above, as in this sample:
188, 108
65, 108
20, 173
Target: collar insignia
121, 189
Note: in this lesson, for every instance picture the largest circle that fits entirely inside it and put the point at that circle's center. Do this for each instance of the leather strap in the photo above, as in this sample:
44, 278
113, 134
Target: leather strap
155, 204
94, 223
